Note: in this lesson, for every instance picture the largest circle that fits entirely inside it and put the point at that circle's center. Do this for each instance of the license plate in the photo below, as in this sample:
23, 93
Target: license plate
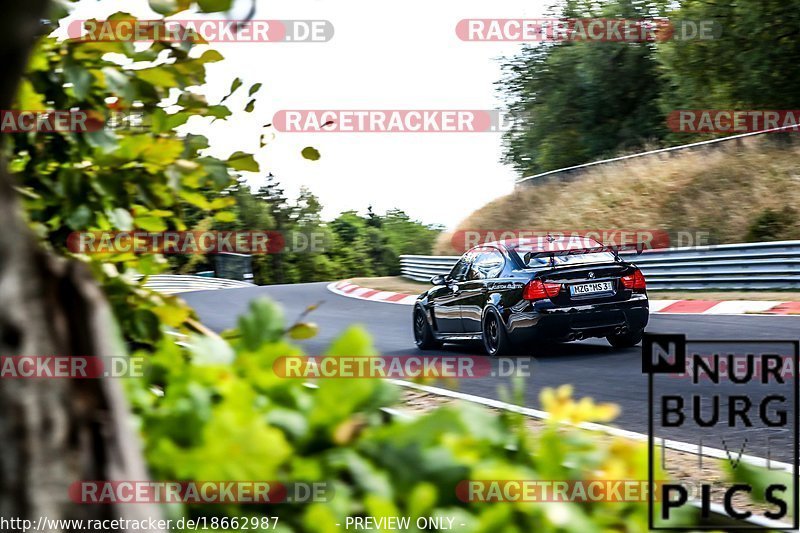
590, 288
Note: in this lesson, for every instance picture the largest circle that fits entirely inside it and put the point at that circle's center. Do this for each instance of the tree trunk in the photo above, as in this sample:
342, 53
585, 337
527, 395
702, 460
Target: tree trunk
54, 432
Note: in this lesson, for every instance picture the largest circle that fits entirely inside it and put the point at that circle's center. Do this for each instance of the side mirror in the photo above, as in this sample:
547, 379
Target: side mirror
438, 279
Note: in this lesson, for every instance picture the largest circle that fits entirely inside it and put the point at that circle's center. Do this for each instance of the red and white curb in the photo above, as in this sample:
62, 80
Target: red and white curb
351, 290
700, 307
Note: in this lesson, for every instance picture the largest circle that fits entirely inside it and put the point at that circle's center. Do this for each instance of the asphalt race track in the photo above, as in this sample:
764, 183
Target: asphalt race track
592, 366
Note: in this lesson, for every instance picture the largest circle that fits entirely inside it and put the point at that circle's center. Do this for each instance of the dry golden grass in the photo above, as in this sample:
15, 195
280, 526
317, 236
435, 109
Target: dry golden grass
720, 190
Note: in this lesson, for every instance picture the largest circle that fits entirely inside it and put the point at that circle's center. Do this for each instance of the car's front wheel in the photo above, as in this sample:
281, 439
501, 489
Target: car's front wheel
423, 335
626, 340
495, 337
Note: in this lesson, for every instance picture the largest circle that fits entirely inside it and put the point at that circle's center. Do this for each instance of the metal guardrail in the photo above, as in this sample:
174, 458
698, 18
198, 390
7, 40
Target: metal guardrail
548, 176
750, 266
173, 283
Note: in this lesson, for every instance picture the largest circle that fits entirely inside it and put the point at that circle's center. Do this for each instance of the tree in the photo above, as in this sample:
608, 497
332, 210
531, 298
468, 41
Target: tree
749, 64
580, 101
56, 432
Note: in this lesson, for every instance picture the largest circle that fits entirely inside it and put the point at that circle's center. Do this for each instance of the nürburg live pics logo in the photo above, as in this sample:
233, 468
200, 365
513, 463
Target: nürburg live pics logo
736, 402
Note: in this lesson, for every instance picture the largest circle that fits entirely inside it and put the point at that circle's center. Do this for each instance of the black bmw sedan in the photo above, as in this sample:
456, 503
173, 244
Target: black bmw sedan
515, 294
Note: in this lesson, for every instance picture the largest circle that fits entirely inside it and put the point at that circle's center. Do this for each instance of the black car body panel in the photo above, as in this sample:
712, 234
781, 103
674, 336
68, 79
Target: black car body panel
493, 276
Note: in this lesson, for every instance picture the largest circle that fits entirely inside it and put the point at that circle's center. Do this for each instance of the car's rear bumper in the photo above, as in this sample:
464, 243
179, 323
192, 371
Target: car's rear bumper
543, 322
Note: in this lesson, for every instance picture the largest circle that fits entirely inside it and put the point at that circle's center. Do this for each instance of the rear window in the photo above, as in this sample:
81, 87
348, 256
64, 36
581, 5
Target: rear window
580, 259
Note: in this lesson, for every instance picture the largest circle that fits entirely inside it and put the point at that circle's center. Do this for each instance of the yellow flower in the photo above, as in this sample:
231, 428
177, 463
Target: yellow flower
562, 407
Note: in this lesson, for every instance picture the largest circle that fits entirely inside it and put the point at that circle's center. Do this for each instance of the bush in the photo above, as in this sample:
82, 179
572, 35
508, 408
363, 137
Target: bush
772, 225
219, 412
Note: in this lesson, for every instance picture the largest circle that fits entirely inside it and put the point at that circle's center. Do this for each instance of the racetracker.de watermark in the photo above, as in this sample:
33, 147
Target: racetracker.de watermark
199, 492
201, 30
257, 242
733, 121
544, 490
68, 121
401, 367
586, 30
70, 367
394, 121
563, 239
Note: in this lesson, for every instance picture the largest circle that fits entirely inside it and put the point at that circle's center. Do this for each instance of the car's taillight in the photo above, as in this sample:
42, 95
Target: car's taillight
537, 290
634, 281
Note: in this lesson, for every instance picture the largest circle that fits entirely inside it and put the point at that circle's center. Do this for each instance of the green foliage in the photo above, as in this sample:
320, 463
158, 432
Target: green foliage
759, 479
750, 65
223, 414
213, 408
350, 245
146, 177
773, 225
581, 101
310, 153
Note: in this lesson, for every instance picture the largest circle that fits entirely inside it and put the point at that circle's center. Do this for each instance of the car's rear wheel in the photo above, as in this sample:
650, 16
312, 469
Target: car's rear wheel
423, 335
626, 340
495, 338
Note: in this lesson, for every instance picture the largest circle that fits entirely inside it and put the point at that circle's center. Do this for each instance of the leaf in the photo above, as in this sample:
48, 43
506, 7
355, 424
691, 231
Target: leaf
225, 216
237, 82
157, 76
354, 341
760, 479
80, 78
422, 499
162, 7
28, 98
210, 350
145, 325
121, 219
218, 111
150, 223
118, 83
172, 315
132, 146
102, 139
58, 10
213, 6
192, 101
79, 218
223, 202
210, 56
243, 161
303, 331
310, 153
196, 199
291, 422
163, 122
263, 324
163, 151
254, 89
217, 170
250, 106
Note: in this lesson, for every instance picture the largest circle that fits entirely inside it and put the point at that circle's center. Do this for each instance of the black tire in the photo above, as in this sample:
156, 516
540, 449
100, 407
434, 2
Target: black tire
626, 340
495, 337
423, 335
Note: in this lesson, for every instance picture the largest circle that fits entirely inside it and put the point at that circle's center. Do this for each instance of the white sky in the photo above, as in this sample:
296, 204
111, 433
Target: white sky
382, 56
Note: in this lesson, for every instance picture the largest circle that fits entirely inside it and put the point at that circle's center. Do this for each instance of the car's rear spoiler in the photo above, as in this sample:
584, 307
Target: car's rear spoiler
557, 251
